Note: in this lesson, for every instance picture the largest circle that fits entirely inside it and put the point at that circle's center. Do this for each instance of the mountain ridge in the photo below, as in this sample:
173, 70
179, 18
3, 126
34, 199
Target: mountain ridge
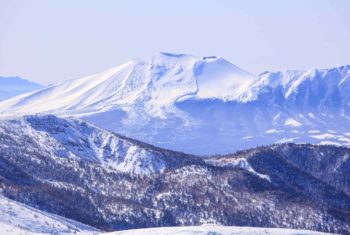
272, 186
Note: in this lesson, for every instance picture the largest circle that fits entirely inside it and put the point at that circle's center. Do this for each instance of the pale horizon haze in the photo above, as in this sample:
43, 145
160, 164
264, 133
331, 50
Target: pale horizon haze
53, 41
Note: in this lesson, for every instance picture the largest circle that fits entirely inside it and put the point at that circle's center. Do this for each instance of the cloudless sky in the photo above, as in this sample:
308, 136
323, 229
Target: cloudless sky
49, 41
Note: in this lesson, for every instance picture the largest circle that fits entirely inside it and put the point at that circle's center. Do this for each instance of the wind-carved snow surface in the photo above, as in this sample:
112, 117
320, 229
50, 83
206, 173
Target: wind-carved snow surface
201, 105
16, 218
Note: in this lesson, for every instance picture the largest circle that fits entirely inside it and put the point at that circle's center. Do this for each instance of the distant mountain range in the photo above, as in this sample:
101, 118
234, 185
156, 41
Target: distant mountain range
73, 169
13, 86
202, 105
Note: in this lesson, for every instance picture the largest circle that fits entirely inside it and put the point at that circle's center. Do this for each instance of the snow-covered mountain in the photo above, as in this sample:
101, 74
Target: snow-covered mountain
202, 105
76, 170
13, 86
17, 218
151, 85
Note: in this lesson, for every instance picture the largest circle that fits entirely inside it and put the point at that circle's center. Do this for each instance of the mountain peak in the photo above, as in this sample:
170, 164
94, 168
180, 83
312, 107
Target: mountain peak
154, 82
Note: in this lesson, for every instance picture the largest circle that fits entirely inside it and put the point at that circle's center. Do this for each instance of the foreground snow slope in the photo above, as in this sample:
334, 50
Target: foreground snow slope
202, 105
215, 230
17, 218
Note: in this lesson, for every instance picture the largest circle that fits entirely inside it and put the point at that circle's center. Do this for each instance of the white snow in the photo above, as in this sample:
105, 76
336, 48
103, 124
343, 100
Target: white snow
286, 140
17, 218
292, 122
273, 131
217, 78
311, 115
344, 139
314, 131
324, 136
325, 142
214, 229
237, 163
248, 137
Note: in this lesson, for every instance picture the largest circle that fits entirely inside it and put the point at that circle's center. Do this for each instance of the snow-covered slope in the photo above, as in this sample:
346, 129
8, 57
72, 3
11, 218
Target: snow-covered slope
17, 218
202, 105
215, 230
317, 88
12, 86
73, 138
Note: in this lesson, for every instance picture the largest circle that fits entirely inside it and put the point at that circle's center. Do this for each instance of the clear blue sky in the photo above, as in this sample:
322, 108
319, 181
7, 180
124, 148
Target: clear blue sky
50, 41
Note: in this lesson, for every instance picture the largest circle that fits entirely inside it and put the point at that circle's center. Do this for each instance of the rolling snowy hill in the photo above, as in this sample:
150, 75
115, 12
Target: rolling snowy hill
13, 86
202, 105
